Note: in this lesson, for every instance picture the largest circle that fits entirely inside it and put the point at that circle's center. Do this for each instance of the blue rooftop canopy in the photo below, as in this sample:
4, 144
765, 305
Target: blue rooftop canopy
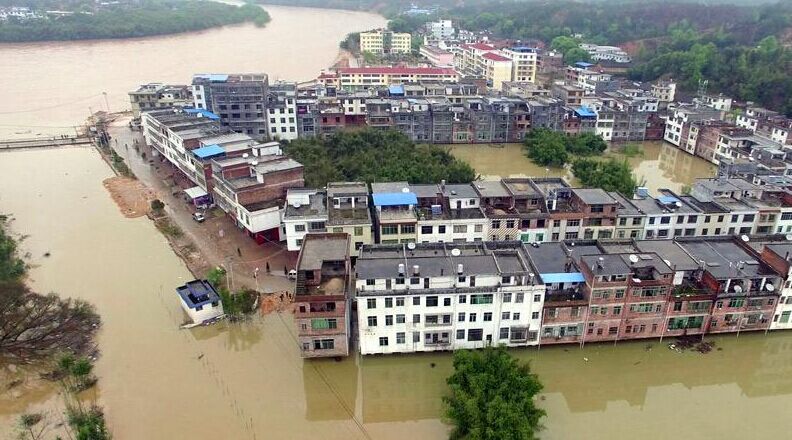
214, 77
395, 199
583, 64
396, 89
667, 200
197, 293
208, 151
202, 112
585, 112
563, 277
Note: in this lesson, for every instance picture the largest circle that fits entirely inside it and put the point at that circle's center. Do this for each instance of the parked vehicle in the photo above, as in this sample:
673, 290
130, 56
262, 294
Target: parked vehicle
199, 217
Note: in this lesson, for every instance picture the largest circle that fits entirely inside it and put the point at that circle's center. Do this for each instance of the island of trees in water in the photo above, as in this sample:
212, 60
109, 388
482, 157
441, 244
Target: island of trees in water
84, 20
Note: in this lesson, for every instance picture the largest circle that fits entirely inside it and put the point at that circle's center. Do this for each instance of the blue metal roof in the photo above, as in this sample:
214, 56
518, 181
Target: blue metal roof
585, 112
197, 293
396, 89
395, 199
563, 277
202, 112
214, 77
583, 64
208, 151
667, 200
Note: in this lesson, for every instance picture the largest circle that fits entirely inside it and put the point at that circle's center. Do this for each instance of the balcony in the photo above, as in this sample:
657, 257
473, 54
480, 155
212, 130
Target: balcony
566, 297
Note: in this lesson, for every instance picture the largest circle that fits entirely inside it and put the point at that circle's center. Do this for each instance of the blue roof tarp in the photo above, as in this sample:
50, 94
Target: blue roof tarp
585, 112
396, 89
208, 151
667, 200
202, 112
213, 77
395, 199
563, 277
583, 64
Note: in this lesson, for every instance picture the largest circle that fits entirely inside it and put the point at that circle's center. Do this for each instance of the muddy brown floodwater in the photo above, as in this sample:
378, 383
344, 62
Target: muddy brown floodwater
248, 381
661, 165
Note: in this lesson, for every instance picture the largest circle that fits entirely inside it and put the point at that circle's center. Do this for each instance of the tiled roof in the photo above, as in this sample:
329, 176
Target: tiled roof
495, 57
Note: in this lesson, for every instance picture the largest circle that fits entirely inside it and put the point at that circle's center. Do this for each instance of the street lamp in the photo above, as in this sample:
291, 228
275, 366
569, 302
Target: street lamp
255, 277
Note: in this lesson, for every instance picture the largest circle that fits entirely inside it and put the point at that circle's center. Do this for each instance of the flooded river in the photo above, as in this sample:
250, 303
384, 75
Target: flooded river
49, 87
660, 166
247, 381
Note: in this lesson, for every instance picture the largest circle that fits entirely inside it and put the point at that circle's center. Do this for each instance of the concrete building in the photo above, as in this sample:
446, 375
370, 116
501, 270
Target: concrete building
305, 212
383, 41
200, 301
348, 212
361, 78
664, 91
394, 212
252, 190
429, 297
282, 111
240, 100
448, 218
606, 53
436, 56
440, 29
777, 255
524, 63
157, 96
323, 296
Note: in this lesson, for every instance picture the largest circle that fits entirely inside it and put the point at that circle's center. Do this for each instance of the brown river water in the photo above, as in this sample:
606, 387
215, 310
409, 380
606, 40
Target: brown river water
246, 381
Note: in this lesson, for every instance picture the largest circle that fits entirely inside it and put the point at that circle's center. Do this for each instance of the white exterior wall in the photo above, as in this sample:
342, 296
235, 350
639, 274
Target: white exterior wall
474, 230
746, 121
207, 312
370, 335
282, 122
199, 97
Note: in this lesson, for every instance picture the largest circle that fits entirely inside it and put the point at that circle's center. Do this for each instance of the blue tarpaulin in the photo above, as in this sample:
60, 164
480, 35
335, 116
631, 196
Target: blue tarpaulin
563, 277
585, 112
583, 64
396, 89
202, 112
208, 151
667, 200
214, 77
395, 199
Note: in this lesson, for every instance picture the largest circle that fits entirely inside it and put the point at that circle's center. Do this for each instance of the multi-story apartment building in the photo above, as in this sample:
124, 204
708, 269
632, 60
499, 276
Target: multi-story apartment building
383, 41
629, 219
569, 95
394, 212
239, 99
440, 29
664, 91
678, 126
282, 111
157, 96
252, 191
777, 255
606, 53
360, 78
437, 56
323, 296
348, 212
524, 63
448, 218
427, 297
304, 212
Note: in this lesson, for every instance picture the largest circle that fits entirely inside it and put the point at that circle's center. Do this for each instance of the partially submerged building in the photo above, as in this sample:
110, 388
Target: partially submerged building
323, 295
200, 301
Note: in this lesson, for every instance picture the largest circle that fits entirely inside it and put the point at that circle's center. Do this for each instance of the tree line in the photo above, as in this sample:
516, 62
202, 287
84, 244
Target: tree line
127, 20
372, 155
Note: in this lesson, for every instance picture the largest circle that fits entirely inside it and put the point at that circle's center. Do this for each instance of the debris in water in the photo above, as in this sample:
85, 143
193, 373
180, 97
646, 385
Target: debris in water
46, 254
432, 365
692, 343
637, 363
648, 347
585, 359
200, 356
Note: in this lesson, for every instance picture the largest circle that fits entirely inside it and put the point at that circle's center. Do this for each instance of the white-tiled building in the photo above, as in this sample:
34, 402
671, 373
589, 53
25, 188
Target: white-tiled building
305, 211
430, 297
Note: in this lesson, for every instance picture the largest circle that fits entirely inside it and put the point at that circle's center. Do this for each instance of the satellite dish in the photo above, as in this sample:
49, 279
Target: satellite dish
296, 204
245, 156
667, 262
678, 204
456, 252
737, 288
405, 190
411, 246
744, 238
769, 287
788, 237
254, 163
633, 258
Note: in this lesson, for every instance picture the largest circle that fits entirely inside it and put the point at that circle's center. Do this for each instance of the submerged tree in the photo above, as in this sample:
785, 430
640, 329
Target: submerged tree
492, 397
35, 325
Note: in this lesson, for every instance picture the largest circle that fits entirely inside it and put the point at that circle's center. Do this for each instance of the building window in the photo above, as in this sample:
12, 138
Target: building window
383, 341
400, 338
358, 231
369, 282
416, 319
462, 299
506, 316
487, 316
516, 316
371, 303
399, 319
446, 302
324, 344
431, 301
372, 321
390, 230
507, 297
472, 317
460, 334
399, 301
427, 229
504, 333
537, 298
460, 229
388, 319
475, 334
481, 299
534, 315
416, 300
400, 281
416, 337
299, 228
520, 297
388, 303
461, 317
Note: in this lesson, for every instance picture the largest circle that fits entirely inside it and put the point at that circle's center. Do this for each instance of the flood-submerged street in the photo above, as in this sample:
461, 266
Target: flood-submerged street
155, 383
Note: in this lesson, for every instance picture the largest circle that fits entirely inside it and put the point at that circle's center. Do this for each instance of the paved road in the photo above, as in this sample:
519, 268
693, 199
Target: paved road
221, 249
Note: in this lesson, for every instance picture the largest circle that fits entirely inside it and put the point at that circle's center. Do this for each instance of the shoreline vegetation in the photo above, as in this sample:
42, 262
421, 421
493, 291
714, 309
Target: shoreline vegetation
84, 21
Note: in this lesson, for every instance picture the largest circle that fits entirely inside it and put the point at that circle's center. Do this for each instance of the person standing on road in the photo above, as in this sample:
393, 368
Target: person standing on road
239, 251
268, 269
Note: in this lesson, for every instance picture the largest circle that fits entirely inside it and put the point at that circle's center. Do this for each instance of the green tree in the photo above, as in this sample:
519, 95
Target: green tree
546, 147
576, 54
491, 397
610, 175
11, 266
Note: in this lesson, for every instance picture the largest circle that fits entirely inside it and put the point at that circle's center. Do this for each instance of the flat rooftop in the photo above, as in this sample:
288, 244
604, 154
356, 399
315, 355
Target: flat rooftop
197, 293
671, 251
317, 207
318, 249
491, 188
722, 259
593, 196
